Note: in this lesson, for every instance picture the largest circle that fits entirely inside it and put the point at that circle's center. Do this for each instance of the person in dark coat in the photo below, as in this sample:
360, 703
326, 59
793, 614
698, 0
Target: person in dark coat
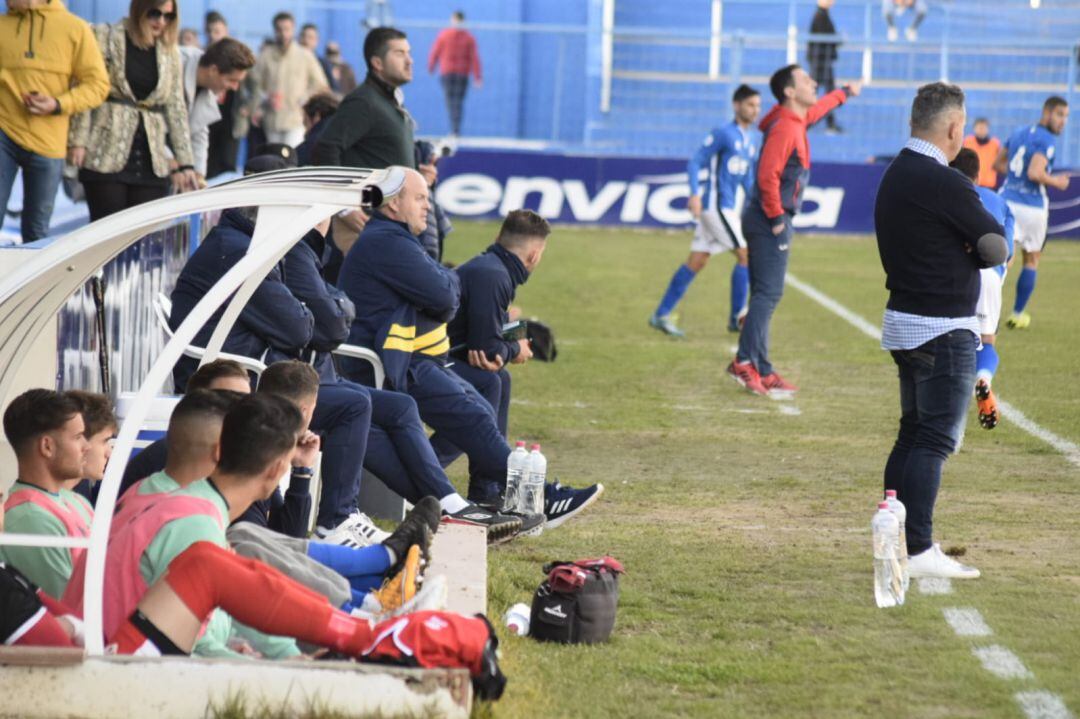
933, 237
821, 55
488, 284
275, 325
317, 113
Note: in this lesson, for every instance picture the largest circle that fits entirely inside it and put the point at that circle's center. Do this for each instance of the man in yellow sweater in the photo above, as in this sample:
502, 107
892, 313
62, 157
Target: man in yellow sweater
50, 69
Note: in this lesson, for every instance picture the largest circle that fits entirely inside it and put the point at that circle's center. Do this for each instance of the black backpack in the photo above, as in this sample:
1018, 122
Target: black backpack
576, 604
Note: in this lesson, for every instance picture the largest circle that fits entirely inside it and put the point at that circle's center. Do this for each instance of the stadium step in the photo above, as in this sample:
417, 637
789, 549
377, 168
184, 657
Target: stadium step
51, 683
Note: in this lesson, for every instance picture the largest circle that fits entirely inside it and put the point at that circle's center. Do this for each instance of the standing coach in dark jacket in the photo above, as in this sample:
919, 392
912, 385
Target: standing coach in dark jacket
934, 236
488, 284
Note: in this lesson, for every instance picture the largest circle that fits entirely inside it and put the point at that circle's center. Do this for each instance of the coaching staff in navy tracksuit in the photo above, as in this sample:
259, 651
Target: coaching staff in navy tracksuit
488, 284
404, 300
933, 235
275, 325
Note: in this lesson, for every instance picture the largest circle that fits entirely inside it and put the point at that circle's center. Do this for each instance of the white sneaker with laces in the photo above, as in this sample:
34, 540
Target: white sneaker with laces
356, 531
911, 34
894, 34
935, 563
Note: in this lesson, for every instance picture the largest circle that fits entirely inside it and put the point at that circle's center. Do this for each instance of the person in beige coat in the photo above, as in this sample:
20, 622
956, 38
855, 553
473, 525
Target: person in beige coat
122, 145
285, 76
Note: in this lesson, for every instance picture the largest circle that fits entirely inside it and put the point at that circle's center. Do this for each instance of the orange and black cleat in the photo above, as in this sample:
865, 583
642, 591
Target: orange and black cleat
988, 409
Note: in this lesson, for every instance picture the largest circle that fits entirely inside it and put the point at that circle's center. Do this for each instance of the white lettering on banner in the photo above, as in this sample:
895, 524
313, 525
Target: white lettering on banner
827, 212
659, 205
633, 208
586, 210
469, 194
519, 188
475, 194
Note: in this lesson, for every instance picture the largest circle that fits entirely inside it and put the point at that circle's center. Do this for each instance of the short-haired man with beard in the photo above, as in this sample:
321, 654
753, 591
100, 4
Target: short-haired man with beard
47, 432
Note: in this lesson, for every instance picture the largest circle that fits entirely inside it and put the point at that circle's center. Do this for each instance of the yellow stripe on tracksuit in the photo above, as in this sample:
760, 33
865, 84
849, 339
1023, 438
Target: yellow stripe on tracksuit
404, 339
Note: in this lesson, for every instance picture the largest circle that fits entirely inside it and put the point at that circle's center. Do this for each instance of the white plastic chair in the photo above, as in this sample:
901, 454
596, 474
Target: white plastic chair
369, 356
162, 310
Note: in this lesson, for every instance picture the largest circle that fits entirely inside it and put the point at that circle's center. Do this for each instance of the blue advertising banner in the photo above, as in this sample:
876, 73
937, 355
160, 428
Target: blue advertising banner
651, 192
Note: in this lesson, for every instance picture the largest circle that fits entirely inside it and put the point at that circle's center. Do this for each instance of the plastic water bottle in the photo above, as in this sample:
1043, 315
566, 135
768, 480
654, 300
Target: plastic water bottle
517, 619
900, 512
888, 588
531, 500
517, 464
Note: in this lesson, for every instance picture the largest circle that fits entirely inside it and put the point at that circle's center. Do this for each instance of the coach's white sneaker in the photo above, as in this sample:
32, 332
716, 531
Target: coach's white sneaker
935, 563
894, 34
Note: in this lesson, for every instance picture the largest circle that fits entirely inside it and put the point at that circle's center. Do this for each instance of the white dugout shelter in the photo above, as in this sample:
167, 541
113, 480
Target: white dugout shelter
290, 203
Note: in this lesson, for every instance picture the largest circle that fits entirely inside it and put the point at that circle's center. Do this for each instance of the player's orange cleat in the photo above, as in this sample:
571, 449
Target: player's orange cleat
401, 588
988, 410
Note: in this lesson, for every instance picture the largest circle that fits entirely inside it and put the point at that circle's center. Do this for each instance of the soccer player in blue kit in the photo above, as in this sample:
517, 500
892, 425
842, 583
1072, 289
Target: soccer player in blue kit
729, 153
1027, 160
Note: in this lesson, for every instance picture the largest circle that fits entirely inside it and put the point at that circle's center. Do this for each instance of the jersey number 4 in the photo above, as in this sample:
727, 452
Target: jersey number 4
1016, 165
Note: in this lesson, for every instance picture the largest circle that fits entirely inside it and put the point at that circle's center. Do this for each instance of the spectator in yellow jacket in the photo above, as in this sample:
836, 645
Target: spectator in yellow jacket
50, 69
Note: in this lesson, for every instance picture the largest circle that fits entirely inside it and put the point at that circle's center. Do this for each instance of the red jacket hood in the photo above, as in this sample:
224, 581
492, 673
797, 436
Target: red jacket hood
777, 113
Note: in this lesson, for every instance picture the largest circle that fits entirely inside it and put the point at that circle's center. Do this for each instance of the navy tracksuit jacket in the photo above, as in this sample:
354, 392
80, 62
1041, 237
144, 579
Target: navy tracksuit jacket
489, 282
403, 300
397, 448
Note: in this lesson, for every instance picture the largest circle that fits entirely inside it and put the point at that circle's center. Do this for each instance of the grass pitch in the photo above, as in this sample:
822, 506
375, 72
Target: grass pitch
745, 530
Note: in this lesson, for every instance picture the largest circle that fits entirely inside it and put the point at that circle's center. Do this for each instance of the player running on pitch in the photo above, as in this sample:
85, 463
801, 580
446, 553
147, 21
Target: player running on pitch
988, 308
1026, 161
729, 153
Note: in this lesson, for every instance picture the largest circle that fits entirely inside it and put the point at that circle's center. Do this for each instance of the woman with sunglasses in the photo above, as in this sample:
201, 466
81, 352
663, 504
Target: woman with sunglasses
136, 146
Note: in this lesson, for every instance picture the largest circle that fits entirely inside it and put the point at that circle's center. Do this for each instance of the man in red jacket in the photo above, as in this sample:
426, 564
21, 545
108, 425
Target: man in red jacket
455, 53
782, 174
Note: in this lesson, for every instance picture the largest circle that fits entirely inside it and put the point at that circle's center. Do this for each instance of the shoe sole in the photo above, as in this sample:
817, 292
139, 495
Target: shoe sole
558, 521
535, 531
975, 574
502, 533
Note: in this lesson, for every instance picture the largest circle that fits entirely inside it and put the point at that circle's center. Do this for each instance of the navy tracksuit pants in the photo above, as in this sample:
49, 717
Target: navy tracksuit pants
398, 450
492, 386
374, 429
461, 417
342, 419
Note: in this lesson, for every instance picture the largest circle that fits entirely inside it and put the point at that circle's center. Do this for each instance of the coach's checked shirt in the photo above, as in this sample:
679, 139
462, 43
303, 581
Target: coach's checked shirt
904, 331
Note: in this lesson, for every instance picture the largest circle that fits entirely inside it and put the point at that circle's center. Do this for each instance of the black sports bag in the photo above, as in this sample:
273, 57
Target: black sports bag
576, 604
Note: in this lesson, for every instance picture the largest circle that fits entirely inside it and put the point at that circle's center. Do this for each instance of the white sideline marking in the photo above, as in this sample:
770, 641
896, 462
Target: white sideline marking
835, 307
1002, 663
1042, 705
966, 622
934, 585
1069, 449
1014, 415
789, 409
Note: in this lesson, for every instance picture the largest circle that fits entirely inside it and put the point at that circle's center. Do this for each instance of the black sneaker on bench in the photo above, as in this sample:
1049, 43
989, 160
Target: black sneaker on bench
499, 526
